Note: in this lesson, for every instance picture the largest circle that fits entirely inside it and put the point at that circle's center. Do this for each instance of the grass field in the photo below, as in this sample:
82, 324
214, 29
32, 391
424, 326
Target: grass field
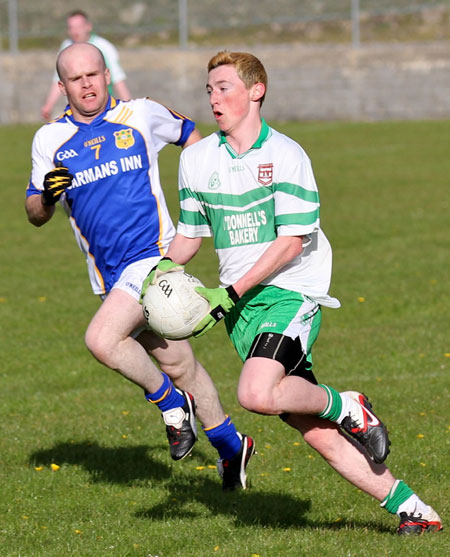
385, 207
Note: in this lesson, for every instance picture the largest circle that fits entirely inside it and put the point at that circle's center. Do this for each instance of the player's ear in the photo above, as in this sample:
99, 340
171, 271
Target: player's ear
62, 88
257, 92
107, 76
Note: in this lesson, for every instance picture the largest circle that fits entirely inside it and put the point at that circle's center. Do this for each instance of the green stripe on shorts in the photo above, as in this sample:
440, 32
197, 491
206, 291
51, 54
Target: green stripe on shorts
275, 310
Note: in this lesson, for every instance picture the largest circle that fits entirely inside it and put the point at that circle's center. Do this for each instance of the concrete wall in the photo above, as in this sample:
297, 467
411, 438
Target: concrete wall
374, 82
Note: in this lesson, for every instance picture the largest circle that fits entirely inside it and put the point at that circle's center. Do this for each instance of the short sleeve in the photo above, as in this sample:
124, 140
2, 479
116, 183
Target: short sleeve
297, 204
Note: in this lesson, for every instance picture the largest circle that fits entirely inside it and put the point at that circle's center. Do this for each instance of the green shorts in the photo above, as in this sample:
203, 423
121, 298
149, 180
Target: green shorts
273, 310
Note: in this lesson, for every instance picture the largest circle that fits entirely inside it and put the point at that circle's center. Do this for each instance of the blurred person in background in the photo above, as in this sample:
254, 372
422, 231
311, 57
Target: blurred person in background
79, 30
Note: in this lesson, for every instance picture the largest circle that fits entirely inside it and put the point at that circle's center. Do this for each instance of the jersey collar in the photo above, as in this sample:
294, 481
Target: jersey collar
112, 103
263, 135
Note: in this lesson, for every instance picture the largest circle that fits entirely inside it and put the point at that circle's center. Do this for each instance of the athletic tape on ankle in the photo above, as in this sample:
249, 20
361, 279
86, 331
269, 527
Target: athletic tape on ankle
398, 494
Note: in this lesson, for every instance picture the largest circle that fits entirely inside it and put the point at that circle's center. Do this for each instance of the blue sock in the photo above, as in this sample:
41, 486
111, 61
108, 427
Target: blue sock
224, 438
166, 397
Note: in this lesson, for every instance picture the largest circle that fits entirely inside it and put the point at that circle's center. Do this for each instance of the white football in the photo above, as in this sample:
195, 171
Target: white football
172, 308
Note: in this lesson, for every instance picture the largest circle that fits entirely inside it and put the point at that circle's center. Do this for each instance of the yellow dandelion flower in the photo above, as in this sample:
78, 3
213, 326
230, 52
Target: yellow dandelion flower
25, 516
296, 444
124, 436
422, 414
423, 464
125, 412
42, 299
421, 355
44, 527
212, 466
54, 467
361, 299
38, 468
338, 519
267, 446
447, 355
2, 300
77, 531
311, 456
199, 467
420, 436
286, 469
216, 548
263, 474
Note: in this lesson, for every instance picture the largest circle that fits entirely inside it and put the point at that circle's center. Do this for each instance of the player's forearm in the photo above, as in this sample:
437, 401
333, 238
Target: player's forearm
283, 250
51, 100
38, 214
183, 249
193, 138
53, 94
122, 91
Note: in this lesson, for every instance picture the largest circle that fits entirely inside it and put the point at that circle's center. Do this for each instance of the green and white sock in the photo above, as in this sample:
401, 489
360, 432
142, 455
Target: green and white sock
338, 406
402, 499
334, 404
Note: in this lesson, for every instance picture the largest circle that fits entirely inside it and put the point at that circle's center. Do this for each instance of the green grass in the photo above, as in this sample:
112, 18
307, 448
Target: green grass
385, 206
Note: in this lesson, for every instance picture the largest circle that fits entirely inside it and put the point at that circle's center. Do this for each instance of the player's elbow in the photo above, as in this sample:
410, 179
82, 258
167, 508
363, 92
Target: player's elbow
296, 246
36, 213
35, 221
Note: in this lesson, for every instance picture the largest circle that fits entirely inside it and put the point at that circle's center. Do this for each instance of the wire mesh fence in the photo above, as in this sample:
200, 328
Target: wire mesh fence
29, 25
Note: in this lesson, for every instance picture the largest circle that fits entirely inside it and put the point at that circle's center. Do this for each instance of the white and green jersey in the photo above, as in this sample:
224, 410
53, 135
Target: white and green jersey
110, 54
245, 201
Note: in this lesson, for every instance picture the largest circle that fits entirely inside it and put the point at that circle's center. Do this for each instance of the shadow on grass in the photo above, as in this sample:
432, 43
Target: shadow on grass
247, 508
189, 495
121, 465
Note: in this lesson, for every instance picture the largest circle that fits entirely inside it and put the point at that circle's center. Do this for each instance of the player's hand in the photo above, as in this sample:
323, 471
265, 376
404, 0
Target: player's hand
55, 182
221, 300
165, 265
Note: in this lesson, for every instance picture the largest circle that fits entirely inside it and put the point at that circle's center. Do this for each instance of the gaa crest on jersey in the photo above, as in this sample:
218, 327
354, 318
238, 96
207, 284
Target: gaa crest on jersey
214, 181
265, 174
124, 138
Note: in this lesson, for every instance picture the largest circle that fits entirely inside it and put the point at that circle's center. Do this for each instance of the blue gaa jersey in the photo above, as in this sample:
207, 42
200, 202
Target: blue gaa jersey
115, 204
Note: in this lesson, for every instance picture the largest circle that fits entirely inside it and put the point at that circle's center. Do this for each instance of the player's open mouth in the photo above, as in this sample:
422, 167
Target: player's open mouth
217, 114
90, 96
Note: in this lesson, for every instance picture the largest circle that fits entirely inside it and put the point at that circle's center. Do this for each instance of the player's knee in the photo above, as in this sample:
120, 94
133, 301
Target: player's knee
90, 341
98, 345
256, 400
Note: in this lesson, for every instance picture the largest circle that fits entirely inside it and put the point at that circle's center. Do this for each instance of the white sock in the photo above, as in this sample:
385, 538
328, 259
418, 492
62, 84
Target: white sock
415, 506
348, 404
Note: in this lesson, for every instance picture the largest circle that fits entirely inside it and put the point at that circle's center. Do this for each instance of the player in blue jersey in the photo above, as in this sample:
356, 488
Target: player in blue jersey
100, 160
